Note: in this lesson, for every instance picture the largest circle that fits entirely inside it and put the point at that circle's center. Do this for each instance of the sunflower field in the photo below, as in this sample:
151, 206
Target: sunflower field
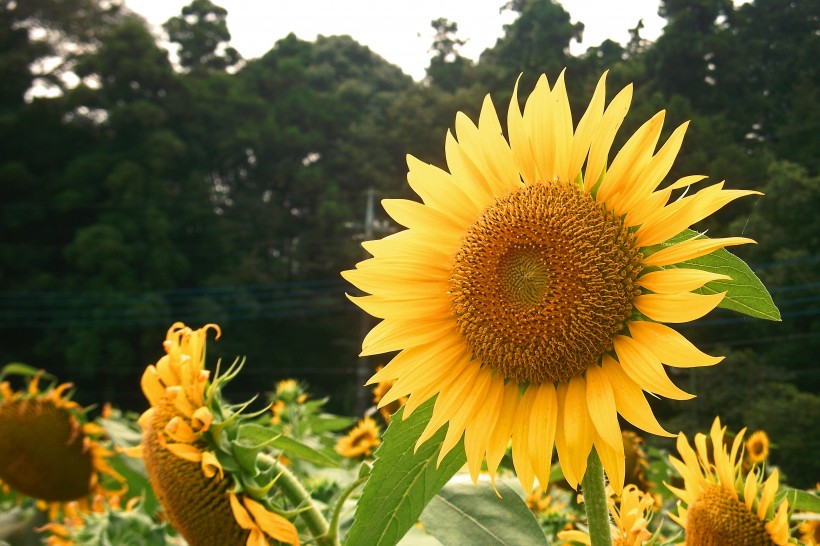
536, 298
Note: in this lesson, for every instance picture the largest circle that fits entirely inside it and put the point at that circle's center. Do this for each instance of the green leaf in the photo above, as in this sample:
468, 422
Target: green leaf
462, 513
799, 500
329, 423
403, 480
298, 450
18, 368
255, 436
745, 293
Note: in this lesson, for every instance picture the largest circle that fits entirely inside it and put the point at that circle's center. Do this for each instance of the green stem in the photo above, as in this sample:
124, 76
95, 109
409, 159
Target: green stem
595, 497
298, 495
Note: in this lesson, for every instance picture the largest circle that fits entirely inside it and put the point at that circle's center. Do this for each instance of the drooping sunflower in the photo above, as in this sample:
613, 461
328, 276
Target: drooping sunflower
631, 514
49, 451
720, 506
361, 440
529, 293
187, 433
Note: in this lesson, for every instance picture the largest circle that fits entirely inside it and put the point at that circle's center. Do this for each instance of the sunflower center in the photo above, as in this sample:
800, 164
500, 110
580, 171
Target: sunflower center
716, 518
542, 281
42, 451
198, 507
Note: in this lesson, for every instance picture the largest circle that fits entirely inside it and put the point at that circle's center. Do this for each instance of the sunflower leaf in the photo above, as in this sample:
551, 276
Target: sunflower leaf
745, 293
799, 500
462, 513
403, 480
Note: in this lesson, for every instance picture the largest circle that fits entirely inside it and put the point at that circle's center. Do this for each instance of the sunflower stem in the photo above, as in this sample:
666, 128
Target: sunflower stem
298, 495
594, 490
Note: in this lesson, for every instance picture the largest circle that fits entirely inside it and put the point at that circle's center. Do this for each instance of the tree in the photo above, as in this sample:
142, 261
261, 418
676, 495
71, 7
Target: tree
202, 34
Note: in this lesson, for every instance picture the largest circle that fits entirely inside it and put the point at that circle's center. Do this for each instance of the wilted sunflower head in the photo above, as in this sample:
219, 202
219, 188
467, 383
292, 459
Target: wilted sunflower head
190, 440
49, 451
361, 440
718, 505
529, 292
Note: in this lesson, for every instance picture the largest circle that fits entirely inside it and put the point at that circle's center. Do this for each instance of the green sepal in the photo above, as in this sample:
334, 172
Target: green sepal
745, 293
403, 479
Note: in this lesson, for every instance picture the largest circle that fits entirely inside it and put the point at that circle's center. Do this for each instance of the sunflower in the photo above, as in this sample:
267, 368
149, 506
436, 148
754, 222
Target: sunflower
49, 451
722, 507
360, 440
529, 292
810, 532
184, 446
757, 447
631, 514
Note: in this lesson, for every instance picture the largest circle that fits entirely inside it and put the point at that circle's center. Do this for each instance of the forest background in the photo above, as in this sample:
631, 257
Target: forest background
216, 189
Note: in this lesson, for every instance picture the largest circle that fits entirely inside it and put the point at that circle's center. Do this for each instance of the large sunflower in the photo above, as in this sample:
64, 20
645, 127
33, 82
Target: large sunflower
721, 507
187, 432
529, 292
49, 451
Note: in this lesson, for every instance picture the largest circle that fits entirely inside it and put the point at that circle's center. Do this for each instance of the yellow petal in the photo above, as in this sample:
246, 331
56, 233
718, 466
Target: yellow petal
645, 369
604, 135
612, 457
185, 451
438, 191
630, 161
521, 439
586, 129
243, 519
519, 139
421, 218
447, 401
673, 281
750, 489
152, 388
578, 429
502, 432
408, 309
477, 435
562, 121
766, 498
396, 334
211, 466
629, 398
471, 404
602, 408
677, 308
669, 346
539, 122
543, 421
689, 250
272, 524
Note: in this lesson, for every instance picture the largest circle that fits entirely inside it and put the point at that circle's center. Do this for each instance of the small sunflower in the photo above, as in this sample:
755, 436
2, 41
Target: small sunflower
360, 440
809, 532
631, 514
757, 447
529, 292
720, 506
49, 451
186, 444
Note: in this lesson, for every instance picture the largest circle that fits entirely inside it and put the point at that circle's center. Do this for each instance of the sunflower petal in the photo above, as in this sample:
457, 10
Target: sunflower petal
689, 250
629, 398
673, 281
645, 369
669, 346
677, 308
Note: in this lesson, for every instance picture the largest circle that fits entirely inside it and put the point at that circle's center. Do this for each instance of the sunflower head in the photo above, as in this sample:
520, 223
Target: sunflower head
718, 504
757, 447
49, 451
214, 487
530, 291
361, 440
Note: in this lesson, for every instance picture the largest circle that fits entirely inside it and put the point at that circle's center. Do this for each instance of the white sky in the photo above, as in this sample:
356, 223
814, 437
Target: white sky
399, 30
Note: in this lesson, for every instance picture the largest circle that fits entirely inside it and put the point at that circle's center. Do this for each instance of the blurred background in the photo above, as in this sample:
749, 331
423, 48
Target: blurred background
139, 188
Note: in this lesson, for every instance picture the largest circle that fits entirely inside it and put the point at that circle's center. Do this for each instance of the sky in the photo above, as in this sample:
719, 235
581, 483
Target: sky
399, 30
